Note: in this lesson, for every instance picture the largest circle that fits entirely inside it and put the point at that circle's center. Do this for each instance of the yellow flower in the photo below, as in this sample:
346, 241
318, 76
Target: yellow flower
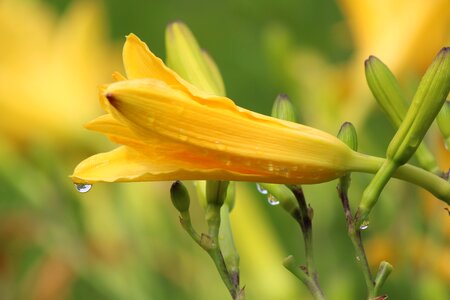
170, 130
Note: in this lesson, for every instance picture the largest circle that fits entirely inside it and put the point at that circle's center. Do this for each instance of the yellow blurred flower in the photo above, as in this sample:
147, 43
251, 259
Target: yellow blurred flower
49, 67
405, 34
171, 130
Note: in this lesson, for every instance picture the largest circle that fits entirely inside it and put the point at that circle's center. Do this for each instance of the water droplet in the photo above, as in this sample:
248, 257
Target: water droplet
357, 258
220, 146
364, 225
261, 189
272, 200
83, 187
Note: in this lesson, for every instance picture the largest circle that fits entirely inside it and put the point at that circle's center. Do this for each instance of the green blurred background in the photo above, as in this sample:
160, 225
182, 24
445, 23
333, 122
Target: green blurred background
123, 241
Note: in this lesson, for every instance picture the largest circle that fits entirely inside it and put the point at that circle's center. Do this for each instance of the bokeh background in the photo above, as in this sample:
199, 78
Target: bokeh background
123, 241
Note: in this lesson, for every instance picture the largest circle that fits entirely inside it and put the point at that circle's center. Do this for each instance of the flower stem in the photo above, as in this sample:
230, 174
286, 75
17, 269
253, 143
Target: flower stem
303, 216
429, 181
290, 264
354, 232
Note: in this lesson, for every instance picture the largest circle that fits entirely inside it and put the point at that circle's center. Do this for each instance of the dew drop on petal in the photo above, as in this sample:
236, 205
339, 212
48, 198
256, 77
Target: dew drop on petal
272, 200
261, 189
83, 187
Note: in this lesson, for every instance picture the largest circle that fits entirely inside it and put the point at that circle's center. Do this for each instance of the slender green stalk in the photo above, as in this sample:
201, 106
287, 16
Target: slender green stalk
354, 233
316, 292
213, 219
429, 181
303, 216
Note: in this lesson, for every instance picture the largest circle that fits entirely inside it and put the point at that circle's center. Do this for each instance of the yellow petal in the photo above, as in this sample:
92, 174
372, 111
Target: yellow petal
140, 62
238, 138
125, 164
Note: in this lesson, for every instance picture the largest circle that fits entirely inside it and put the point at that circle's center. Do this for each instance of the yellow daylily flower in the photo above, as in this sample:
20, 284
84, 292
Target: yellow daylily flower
169, 130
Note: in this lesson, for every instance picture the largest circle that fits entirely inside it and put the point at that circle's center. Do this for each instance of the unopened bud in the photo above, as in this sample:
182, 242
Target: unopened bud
443, 121
185, 56
283, 195
386, 90
283, 109
427, 102
180, 196
216, 192
347, 134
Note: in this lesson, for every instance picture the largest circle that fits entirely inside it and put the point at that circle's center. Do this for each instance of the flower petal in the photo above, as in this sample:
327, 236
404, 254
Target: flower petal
140, 62
240, 138
125, 164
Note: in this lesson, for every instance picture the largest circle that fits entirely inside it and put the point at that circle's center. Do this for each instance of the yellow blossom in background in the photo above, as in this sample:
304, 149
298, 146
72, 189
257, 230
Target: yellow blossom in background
171, 130
404, 34
50, 67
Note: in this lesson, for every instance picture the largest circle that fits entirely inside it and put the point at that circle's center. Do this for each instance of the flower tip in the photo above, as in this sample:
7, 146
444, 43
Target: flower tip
370, 60
175, 23
444, 51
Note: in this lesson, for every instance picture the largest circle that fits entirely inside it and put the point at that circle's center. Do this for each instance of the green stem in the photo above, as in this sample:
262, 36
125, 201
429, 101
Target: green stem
303, 216
429, 181
213, 219
307, 280
227, 246
354, 233
210, 244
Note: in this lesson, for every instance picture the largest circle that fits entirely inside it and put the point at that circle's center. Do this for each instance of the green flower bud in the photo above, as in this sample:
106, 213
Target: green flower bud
443, 121
283, 109
200, 186
386, 90
283, 195
347, 134
185, 56
384, 270
180, 196
216, 192
427, 102
231, 196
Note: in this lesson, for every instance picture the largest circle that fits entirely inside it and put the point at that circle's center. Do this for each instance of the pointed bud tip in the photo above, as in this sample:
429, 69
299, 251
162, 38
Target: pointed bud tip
347, 134
283, 108
180, 196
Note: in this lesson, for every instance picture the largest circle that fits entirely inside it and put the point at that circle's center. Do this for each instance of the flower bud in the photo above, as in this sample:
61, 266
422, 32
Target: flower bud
427, 102
384, 270
347, 134
443, 121
386, 90
180, 196
282, 194
283, 109
185, 57
231, 196
216, 192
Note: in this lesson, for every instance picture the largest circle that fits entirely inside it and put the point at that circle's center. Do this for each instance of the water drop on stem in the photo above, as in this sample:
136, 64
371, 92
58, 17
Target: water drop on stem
261, 189
272, 200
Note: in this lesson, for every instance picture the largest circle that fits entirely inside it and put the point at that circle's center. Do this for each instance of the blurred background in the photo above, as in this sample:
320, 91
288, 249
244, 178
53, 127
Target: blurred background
123, 241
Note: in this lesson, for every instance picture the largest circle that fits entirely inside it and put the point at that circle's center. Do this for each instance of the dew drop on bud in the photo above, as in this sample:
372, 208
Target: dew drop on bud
83, 187
272, 200
364, 225
261, 189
